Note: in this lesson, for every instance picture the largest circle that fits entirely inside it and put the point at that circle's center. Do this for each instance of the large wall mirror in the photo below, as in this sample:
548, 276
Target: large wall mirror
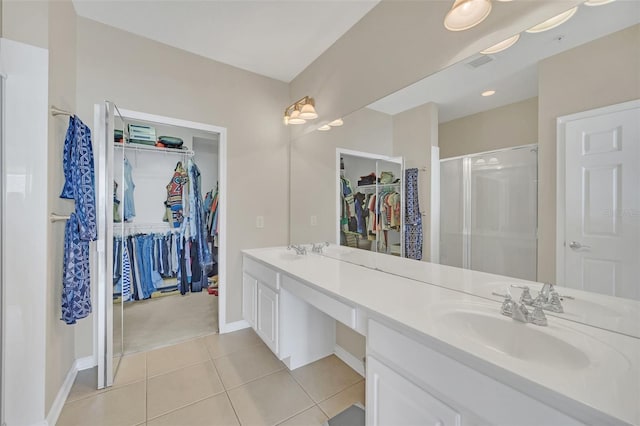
495, 195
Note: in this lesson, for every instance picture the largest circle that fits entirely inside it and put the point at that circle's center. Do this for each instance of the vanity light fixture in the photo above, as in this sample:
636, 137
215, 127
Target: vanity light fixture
324, 128
465, 14
503, 45
553, 22
488, 93
597, 2
300, 111
336, 123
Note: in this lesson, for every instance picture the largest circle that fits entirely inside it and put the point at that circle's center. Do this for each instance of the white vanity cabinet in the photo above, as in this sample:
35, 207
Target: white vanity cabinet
267, 316
249, 299
410, 383
260, 293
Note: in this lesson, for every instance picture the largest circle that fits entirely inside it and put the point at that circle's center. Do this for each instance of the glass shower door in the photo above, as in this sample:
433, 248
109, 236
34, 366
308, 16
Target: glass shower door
503, 212
489, 212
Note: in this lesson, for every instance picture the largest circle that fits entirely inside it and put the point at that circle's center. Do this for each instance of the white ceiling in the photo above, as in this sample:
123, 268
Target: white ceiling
275, 38
513, 72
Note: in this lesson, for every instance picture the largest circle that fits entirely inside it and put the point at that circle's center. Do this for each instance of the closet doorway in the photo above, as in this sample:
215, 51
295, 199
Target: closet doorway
370, 202
161, 185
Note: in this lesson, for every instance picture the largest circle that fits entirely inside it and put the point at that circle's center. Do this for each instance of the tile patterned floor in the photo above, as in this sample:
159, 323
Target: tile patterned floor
230, 379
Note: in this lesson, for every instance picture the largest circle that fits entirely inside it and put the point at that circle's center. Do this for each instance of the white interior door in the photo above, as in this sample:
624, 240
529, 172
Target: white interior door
602, 203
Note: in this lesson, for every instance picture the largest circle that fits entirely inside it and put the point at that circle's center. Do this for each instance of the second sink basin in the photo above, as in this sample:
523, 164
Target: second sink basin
551, 347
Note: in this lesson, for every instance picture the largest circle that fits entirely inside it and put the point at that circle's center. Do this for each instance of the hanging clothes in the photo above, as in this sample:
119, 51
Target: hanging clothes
174, 203
201, 256
129, 203
81, 228
413, 217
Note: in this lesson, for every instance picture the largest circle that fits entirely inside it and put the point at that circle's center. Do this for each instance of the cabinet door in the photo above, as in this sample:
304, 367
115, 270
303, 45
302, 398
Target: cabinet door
249, 299
267, 325
392, 400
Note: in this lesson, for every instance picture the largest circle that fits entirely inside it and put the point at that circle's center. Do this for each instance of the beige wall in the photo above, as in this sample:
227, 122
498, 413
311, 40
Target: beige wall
603, 72
26, 21
62, 93
507, 126
142, 75
414, 133
401, 42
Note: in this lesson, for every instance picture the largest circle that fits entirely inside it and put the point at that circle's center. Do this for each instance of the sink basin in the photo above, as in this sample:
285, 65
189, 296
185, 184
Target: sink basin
482, 327
519, 340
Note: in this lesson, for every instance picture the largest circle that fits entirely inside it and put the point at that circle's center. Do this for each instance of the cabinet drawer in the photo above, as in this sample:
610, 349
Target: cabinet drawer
338, 310
262, 273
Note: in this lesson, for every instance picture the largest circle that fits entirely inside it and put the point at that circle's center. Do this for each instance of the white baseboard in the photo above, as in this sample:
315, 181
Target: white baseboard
233, 326
350, 360
61, 398
56, 408
85, 363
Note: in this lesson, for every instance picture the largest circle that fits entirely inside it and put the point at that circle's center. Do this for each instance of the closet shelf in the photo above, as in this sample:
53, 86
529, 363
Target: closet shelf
149, 148
380, 185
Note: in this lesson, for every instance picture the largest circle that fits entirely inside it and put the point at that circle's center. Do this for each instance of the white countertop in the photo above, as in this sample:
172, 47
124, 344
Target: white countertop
599, 310
609, 382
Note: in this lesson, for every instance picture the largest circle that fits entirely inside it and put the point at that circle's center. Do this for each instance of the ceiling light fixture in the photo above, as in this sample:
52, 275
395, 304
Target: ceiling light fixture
465, 14
300, 111
324, 128
503, 45
336, 123
597, 2
488, 93
553, 22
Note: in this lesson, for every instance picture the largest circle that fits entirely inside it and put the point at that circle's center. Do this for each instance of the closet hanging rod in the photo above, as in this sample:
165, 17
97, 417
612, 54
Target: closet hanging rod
55, 217
55, 111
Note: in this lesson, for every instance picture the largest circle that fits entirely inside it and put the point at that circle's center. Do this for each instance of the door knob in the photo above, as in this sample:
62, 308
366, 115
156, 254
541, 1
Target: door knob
574, 245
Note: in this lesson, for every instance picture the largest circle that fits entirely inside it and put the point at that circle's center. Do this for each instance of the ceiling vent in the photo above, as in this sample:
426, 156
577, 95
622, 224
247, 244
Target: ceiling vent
480, 61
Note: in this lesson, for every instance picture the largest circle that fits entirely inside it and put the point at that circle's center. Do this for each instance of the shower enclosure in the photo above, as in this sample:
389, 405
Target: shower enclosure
489, 212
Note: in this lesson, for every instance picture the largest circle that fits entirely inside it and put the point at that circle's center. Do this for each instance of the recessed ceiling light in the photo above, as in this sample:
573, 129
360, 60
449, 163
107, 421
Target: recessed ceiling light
336, 123
488, 93
503, 45
465, 14
324, 128
597, 2
553, 22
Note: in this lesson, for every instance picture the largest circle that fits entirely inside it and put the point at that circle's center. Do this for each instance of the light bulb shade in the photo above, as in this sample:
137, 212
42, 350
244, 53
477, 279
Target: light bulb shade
294, 118
466, 14
336, 123
503, 45
597, 2
553, 22
324, 128
308, 112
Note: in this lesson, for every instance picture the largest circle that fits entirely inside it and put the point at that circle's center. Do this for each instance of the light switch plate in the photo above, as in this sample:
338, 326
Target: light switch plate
314, 220
259, 221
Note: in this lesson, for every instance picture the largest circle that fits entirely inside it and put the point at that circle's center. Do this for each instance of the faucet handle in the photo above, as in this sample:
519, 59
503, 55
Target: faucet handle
554, 304
525, 297
508, 305
537, 316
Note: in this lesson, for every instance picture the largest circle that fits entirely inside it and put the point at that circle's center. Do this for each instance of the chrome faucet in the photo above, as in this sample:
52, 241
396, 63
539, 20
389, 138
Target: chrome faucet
548, 298
317, 247
299, 248
519, 311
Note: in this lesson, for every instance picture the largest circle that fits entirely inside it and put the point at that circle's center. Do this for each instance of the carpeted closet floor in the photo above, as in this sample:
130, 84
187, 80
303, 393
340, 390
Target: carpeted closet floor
158, 322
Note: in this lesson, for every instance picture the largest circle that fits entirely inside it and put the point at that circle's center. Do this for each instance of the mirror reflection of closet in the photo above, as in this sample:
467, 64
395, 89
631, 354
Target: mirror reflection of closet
149, 316
371, 202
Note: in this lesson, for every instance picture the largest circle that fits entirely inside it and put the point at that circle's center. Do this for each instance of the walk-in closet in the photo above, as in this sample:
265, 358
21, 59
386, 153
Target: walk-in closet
162, 231
371, 196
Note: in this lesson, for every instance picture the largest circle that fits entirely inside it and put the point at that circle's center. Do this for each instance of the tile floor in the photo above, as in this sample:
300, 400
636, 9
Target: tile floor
230, 379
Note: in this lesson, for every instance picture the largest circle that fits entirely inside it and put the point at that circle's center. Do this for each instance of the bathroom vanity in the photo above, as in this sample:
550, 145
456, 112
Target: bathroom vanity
437, 355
